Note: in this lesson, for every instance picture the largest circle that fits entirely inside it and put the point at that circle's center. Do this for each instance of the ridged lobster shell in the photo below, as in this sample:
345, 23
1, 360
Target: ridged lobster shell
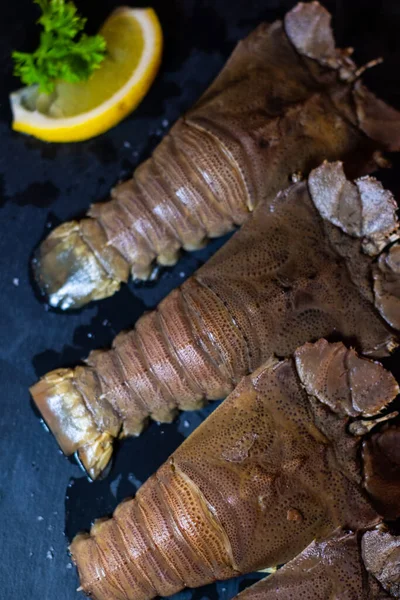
269, 471
286, 100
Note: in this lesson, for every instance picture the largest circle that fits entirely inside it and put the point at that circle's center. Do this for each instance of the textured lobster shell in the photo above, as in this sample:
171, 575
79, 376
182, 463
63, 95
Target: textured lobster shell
286, 100
301, 268
333, 568
269, 471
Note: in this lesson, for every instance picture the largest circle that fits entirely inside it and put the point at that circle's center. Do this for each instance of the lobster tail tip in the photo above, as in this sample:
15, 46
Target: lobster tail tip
68, 269
95, 457
64, 412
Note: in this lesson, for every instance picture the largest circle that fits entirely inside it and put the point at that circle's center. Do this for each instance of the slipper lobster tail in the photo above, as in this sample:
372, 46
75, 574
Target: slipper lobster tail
322, 260
272, 469
286, 100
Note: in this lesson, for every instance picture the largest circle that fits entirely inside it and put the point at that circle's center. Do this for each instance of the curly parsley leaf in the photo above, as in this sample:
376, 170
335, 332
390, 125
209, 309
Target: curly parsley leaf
64, 52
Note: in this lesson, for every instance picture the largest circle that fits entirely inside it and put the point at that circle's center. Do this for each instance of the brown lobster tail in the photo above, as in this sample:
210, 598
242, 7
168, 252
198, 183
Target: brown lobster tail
73, 422
166, 539
333, 568
269, 471
75, 264
239, 145
164, 365
300, 270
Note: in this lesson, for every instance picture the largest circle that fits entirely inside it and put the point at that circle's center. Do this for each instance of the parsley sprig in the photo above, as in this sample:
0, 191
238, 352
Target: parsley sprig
64, 52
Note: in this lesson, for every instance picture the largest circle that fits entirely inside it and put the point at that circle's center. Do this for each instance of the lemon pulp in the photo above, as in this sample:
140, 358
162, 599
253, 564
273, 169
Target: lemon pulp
124, 39
79, 111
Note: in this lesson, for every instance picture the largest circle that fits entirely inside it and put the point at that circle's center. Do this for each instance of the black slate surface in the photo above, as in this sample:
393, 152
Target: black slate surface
44, 498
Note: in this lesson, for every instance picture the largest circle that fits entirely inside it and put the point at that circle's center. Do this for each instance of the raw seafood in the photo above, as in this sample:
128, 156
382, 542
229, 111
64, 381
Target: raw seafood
272, 468
303, 267
343, 566
286, 100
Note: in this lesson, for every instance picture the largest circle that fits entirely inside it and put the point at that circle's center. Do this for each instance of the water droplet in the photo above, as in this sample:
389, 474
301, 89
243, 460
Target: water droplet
50, 553
297, 176
16, 281
114, 485
69, 566
165, 122
40, 518
182, 274
186, 423
134, 480
105, 322
44, 425
127, 144
90, 335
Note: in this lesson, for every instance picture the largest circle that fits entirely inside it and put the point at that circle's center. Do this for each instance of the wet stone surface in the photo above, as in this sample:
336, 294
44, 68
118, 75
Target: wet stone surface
44, 498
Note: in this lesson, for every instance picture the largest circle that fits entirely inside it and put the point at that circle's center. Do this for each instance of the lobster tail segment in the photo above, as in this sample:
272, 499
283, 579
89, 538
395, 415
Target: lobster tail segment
164, 539
323, 260
237, 147
75, 265
273, 468
78, 429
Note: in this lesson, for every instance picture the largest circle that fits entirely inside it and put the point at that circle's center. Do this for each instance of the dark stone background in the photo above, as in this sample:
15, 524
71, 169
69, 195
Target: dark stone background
43, 496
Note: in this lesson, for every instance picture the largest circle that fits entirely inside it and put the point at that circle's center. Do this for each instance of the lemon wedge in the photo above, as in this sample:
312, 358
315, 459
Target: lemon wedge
79, 111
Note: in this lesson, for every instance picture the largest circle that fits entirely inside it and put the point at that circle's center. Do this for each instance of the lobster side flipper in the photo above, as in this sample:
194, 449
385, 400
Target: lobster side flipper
335, 568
